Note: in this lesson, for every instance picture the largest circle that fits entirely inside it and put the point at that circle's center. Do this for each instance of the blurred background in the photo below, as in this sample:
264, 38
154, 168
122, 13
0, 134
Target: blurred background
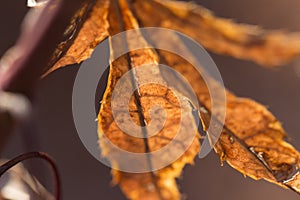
83, 177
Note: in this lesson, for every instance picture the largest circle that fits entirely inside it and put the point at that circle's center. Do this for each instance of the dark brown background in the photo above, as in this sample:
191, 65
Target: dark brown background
83, 177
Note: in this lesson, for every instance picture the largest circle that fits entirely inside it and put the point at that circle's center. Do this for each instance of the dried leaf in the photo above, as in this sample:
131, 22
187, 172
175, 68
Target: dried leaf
252, 140
158, 184
92, 32
223, 36
252, 143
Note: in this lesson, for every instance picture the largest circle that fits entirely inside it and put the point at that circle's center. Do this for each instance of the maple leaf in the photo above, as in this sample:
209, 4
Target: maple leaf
252, 139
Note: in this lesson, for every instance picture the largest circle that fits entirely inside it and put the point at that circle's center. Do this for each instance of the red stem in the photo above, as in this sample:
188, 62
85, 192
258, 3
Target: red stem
9, 164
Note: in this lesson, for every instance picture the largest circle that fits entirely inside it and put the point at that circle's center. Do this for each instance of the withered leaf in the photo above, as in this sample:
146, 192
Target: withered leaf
85, 40
156, 184
252, 139
223, 36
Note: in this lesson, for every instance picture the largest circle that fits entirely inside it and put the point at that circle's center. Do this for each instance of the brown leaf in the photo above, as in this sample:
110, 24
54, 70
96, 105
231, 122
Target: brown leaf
223, 36
252, 139
156, 184
83, 39
252, 143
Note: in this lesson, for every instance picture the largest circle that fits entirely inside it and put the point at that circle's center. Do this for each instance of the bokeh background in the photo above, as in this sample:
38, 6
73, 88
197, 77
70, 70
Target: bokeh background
83, 177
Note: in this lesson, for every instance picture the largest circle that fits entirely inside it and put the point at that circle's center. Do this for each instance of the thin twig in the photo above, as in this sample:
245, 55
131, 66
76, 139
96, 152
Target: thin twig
9, 164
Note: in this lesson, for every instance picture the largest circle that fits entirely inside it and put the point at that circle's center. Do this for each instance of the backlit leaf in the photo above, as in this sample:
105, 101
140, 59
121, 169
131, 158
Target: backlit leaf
159, 184
79, 44
223, 36
252, 140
